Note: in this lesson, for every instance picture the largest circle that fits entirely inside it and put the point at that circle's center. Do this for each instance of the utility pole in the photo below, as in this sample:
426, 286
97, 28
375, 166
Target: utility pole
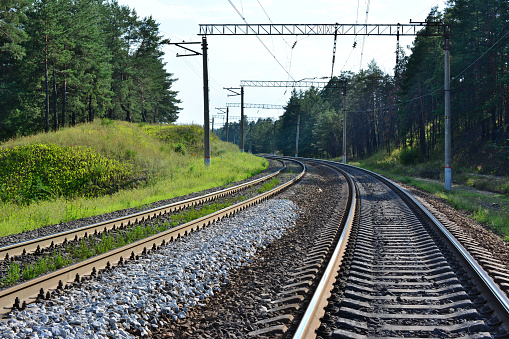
447, 105
206, 103
297, 137
274, 139
212, 124
206, 115
242, 119
233, 90
222, 110
344, 125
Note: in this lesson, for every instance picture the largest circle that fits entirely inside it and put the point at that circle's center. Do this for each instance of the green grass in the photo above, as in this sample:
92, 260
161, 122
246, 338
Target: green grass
41, 171
13, 275
92, 246
164, 161
45, 265
491, 209
269, 185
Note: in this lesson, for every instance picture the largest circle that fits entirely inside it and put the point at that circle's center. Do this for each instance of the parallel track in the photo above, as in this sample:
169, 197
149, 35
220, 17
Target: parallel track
400, 273
22, 294
31, 246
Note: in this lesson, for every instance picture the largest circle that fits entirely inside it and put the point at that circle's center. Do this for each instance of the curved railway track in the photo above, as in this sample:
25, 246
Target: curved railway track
395, 271
380, 266
20, 295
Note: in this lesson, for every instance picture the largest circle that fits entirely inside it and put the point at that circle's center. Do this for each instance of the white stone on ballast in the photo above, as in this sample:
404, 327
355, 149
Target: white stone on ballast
128, 298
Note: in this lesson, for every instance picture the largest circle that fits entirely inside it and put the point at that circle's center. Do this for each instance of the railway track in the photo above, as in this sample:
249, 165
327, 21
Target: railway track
395, 271
377, 266
20, 295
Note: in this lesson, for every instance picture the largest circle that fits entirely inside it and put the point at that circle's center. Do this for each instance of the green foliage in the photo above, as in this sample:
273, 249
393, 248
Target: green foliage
410, 156
44, 265
269, 185
106, 121
13, 275
180, 148
107, 60
193, 213
40, 171
156, 171
12, 13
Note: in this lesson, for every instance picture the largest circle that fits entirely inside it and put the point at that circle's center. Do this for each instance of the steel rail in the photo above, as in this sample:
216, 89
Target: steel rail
482, 275
311, 319
28, 291
31, 246
496, 294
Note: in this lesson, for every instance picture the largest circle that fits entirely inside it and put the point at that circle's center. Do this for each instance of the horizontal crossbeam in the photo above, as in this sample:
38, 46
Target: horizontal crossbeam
411, 29
237, 118
317, 84
261, 106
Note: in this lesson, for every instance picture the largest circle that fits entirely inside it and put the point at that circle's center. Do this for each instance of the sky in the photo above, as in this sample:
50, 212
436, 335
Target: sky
235, 58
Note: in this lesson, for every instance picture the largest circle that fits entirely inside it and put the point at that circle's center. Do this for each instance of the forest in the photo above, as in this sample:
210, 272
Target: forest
406, 109
65, 62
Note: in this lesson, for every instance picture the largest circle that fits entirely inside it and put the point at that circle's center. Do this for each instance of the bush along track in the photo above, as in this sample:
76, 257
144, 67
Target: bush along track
17, 269
34, 172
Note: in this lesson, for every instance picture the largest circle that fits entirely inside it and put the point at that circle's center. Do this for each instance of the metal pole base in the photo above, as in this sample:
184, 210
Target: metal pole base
344, 159
207, 161
448, 178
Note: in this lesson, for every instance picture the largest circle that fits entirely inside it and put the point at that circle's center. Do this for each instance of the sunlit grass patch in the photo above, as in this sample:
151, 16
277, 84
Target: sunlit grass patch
164, 173
489, 209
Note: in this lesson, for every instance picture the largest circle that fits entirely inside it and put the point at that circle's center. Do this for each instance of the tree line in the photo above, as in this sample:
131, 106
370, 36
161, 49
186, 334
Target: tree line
65, 62
406, 109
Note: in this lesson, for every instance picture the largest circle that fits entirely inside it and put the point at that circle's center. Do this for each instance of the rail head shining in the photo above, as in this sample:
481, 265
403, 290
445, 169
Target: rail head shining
315, 310
481, 273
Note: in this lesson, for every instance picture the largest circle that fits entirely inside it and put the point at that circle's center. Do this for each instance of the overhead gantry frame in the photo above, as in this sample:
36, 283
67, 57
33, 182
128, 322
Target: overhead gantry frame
397, 30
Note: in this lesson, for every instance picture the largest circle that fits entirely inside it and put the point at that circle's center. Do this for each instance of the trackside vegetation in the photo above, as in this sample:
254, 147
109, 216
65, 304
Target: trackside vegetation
488, 204
100, 167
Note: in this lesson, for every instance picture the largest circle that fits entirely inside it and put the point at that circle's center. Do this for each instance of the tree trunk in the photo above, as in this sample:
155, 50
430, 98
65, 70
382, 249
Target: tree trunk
55, 98
64, 101
47, 85
128, 113
422, 130
90, 113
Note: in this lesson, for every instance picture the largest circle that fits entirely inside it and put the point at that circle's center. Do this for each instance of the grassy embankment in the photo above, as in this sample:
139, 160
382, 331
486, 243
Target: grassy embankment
484, 197
106, 166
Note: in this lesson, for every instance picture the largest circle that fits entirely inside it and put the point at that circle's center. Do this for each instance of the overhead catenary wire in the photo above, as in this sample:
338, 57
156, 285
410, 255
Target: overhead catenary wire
354, 44
364, 38
286, 42
268, 50
199, 74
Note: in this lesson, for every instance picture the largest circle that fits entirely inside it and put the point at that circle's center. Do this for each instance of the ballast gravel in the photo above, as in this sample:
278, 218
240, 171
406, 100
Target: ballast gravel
142, 295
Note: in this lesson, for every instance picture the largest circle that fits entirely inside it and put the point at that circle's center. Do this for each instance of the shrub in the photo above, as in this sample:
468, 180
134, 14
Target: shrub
40, 171
410, 156
180, 148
